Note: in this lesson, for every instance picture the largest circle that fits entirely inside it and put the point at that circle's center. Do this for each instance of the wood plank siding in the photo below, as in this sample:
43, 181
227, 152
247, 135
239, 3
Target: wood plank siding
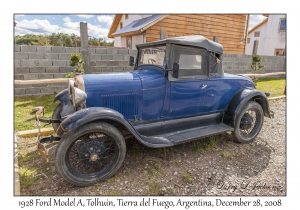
228, 28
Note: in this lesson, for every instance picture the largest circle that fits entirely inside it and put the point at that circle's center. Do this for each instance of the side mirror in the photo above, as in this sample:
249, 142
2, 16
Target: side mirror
175, 70
131, 61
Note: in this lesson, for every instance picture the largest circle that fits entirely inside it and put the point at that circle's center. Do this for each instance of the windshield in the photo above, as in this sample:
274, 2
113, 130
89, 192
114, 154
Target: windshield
152, 55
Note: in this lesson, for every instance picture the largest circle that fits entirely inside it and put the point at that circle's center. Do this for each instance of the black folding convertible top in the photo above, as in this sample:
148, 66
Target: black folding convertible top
198, 41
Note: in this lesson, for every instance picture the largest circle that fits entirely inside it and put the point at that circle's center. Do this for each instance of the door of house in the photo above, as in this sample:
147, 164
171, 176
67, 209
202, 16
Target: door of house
129, 42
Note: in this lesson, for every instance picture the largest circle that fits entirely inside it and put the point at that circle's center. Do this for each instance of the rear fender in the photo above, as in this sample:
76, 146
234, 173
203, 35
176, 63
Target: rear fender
67, 107
240, 99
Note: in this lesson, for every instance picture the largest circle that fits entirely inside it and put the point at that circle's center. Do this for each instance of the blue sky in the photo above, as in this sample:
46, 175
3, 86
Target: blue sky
98, 24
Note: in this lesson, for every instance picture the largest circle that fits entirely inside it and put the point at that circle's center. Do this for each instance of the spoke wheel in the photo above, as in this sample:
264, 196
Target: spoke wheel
94, 153
249, 123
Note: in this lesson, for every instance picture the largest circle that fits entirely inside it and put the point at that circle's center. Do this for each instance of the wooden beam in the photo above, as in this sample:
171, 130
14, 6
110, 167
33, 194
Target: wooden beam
268, 75
41, 81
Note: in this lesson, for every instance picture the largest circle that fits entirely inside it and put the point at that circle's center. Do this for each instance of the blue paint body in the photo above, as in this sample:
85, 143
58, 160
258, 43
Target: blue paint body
146, 94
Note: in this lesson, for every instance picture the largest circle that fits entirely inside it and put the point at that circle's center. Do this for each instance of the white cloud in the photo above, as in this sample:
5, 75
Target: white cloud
35, 27
18, 16
66, 19
97, 31
255, 19
106, 19
85, 16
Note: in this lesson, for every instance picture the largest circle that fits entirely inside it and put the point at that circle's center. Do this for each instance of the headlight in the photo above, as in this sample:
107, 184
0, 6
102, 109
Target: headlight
80, 96
77, 96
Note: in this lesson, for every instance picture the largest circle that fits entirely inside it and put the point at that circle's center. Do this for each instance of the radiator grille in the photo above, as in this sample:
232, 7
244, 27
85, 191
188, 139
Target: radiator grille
126, 104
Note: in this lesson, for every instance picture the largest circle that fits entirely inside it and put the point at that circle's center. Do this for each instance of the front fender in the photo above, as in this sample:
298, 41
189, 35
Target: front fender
240, 99
67, 107
84, 116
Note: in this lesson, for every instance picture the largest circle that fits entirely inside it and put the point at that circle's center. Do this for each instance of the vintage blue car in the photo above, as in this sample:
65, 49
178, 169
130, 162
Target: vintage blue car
176, 92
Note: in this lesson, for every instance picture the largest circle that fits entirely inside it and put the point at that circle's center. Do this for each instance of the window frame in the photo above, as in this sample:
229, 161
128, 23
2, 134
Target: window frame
256, 32
205, 67
279, 49
279, 30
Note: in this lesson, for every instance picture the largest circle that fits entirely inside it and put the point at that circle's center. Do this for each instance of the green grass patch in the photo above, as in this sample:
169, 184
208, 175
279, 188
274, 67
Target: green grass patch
199, 149
226, 154
24, 119
274, 86
211, 142
187, 177
27, 177
154, 188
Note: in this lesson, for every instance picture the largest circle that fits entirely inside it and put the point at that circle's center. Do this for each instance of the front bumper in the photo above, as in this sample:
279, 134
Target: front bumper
41, 147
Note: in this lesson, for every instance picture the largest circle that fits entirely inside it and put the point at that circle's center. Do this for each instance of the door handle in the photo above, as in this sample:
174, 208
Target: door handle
203, 86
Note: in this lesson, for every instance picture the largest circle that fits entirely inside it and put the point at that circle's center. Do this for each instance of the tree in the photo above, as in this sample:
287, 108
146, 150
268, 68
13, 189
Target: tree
256, 64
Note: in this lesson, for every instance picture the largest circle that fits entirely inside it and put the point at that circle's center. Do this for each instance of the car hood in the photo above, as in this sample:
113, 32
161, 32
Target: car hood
99, 86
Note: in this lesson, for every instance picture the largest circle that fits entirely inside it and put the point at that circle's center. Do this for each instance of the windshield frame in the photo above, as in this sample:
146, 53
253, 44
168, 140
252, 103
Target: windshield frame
140, 54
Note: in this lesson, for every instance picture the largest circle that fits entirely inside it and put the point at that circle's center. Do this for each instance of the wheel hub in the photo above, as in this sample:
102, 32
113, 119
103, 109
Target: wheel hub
246, 122
91, 151
93, 157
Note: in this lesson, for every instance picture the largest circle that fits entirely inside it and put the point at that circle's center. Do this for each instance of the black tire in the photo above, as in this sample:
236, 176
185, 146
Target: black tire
93, 153
56, 116
248, 123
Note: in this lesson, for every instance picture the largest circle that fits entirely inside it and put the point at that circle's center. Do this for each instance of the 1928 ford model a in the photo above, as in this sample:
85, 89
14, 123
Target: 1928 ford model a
176, 93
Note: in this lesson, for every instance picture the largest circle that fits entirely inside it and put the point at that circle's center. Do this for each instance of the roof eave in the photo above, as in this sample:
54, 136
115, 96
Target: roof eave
114, 25
258, 25
140, 30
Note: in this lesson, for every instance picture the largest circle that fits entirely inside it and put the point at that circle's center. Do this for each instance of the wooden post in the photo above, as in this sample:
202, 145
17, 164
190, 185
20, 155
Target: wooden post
215, 39
84, 47
162, 34
255, 47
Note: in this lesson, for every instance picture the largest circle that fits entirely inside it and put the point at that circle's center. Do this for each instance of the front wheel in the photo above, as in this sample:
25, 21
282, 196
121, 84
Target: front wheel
93, 153
249, 123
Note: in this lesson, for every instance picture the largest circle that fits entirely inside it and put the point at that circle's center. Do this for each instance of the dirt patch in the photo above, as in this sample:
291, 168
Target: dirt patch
211, 166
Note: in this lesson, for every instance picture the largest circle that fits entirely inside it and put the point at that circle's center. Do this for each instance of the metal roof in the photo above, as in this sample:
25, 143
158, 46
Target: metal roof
196, 40
138, 24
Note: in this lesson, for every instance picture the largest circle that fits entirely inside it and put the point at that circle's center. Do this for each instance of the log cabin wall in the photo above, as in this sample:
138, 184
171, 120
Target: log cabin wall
228, 28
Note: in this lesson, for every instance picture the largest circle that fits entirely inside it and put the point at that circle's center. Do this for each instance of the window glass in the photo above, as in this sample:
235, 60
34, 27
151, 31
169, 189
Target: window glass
282, 25
256, 33
248, 40
192, 61
129, 43
152, 55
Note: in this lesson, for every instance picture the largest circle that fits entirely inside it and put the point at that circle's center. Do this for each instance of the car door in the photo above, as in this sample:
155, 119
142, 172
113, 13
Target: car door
187, 91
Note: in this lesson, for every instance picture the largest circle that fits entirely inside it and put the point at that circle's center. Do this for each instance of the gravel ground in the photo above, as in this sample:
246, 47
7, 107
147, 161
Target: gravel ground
195, 168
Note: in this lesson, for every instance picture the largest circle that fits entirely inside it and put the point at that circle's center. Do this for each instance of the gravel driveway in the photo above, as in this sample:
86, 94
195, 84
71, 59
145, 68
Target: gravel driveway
203, 167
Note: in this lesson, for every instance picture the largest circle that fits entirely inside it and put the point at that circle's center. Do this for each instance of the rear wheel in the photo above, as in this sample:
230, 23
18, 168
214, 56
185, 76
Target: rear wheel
249, 123
93, 153
56, 116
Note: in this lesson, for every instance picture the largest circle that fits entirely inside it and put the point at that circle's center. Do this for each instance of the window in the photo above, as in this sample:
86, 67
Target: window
153, 55
121, 25
126, 16
248, 40
279, 52
129, 43
282, 25
192, 62
256, 33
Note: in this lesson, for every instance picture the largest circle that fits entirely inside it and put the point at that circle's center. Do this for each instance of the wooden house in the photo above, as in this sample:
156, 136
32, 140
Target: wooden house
230, 30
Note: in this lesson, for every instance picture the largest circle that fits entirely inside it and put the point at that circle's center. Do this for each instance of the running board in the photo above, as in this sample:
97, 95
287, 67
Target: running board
182, 136
196, 133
